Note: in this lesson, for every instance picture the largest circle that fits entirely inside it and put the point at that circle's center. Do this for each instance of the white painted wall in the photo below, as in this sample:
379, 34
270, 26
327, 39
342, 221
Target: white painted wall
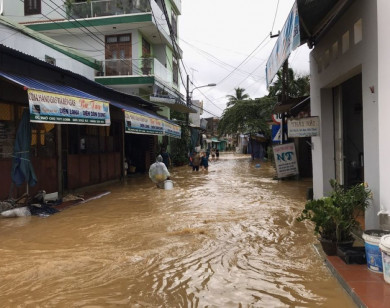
53, 9
18, 41
361, 57
382, 95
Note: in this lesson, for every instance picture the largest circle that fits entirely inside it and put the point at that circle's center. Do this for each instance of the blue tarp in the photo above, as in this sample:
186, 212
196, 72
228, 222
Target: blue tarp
22, 169
34, 84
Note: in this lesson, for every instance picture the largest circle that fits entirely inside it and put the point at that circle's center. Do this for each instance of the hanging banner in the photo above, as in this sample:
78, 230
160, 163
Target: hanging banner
47, 107
304, 127
288, 40
285, 160
139, 124
172, 130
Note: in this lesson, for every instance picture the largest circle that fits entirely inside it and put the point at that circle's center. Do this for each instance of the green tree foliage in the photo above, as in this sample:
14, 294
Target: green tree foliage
248, 116
179, 147
297, 86
240, 96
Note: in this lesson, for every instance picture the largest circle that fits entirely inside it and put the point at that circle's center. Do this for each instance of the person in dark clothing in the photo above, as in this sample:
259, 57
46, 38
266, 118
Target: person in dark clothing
166, 157
207, 153
217, 153
204, 161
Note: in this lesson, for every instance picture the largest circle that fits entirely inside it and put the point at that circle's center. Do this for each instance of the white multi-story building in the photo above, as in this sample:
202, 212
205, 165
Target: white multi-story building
349, 92
134, 40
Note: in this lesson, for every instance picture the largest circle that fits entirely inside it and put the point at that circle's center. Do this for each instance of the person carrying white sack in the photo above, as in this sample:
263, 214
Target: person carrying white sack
158, 172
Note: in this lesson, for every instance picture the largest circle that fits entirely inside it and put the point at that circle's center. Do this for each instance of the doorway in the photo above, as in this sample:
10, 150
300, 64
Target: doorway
118, 55
348, 132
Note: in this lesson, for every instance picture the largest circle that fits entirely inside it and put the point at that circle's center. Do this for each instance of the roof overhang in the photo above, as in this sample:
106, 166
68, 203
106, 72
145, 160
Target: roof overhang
146, 122
60, 103
292, 104
317, 16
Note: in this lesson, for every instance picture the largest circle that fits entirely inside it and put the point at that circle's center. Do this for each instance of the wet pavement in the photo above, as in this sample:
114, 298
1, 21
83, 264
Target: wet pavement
223, 238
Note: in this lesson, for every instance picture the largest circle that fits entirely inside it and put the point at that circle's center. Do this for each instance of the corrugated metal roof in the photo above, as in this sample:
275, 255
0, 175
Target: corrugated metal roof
35, 84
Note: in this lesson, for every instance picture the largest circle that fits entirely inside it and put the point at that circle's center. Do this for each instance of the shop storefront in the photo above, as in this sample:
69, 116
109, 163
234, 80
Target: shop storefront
72, 139
144, 131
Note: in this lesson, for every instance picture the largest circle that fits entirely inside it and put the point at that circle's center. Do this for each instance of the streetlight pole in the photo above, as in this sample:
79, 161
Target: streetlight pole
189, 94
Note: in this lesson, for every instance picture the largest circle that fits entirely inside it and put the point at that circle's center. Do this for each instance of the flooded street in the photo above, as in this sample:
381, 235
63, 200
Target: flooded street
223, 238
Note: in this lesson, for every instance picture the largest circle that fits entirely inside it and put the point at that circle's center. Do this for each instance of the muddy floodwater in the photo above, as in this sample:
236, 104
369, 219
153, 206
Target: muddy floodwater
223, 238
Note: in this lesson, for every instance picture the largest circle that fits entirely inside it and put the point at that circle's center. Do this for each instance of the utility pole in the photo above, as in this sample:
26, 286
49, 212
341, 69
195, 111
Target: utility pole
188, 99
284, 97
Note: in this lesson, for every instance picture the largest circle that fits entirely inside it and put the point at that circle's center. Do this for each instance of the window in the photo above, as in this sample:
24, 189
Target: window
326, 58
145, 48
335, 50
32, 7
175, 72
345, 42
174, 23
319, 65
358, 31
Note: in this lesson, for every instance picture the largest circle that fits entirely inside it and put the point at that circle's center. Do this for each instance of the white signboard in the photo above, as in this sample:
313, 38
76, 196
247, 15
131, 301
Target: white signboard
47, 107
140, 124
285, 160
304, 127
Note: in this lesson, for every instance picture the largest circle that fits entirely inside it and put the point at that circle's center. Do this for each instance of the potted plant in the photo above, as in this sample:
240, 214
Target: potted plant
334, 216
146, 62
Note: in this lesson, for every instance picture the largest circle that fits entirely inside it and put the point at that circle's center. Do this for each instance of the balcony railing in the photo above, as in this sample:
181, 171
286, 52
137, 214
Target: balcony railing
97, 8
137, 67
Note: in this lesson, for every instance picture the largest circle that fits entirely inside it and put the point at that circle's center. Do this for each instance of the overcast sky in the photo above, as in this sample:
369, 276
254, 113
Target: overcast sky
228, 43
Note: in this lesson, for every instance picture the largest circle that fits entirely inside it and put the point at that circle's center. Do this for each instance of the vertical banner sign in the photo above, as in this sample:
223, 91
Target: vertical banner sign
285, 160
288, 40
139, 124
172, 130
47, 107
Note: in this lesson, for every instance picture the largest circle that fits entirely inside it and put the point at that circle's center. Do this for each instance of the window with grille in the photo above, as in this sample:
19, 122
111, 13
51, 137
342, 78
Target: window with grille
175, 71
174, 23
32, 7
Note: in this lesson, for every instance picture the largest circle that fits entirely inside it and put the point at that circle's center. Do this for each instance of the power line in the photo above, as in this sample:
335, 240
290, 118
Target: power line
214, 59
87, 31
223, 79
276, 12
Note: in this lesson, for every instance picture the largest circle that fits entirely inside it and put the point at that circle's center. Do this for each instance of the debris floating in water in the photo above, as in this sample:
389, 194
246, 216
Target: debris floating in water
257, 166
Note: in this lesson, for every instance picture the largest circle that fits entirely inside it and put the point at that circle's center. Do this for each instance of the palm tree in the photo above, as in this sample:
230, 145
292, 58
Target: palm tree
296, 86
240, 96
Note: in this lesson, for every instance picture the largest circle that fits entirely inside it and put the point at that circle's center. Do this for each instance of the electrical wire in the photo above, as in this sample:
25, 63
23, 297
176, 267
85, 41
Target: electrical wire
87, 32
258, 46
276, 13
214, 59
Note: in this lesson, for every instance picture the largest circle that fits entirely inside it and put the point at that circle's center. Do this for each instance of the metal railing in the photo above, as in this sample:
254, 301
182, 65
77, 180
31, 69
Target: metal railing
97, 8
128, 67
137, 67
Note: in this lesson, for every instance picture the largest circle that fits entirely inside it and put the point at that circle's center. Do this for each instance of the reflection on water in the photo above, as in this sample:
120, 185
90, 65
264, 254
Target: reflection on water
223, 238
